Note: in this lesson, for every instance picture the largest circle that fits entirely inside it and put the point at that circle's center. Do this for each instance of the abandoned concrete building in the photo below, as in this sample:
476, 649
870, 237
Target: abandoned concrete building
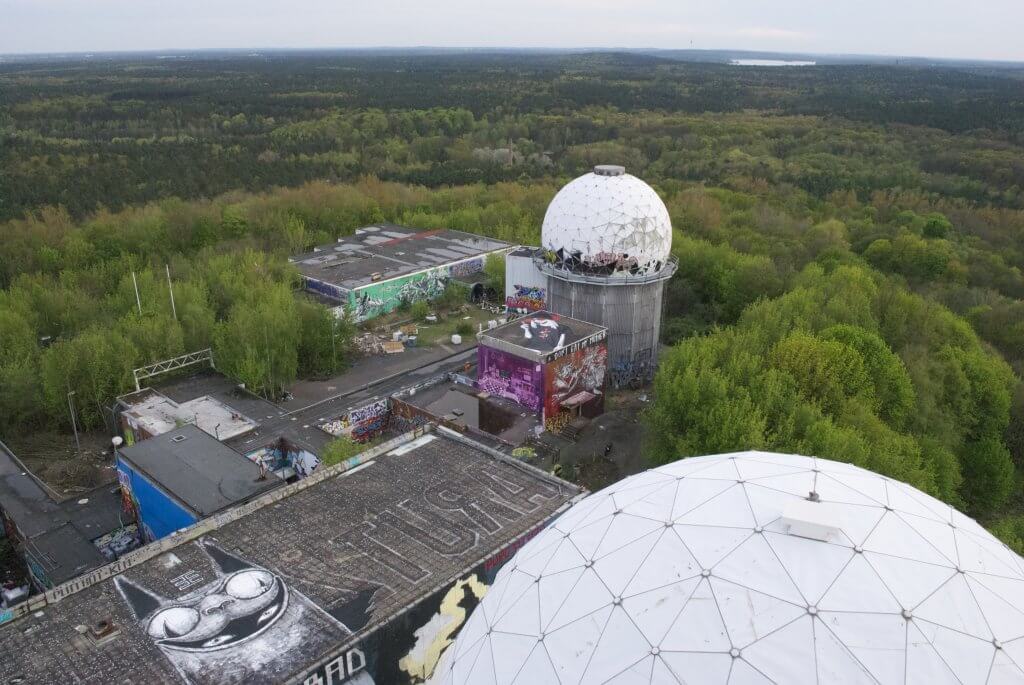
363, 569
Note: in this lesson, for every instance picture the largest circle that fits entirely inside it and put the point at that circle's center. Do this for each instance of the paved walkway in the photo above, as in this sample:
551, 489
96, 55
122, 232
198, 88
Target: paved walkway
356, 388
369, 369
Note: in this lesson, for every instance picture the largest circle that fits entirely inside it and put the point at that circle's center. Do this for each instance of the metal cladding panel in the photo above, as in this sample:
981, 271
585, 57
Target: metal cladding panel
525, 286
632, 315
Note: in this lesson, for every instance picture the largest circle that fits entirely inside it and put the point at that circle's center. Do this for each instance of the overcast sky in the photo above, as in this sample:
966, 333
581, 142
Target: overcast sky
984, 29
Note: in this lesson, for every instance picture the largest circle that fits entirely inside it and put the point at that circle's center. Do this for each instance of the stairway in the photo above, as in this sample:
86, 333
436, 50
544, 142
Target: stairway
571, 431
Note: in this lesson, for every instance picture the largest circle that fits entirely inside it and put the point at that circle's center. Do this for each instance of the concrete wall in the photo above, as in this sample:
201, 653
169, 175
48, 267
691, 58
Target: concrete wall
159, 514
632, 314
361, 424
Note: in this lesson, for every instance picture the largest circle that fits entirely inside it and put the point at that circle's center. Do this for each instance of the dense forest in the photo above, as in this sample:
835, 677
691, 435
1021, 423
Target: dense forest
851, 238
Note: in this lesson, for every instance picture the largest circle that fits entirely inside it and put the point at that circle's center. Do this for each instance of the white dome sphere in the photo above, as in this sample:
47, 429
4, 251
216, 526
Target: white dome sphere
611, 221
723, 570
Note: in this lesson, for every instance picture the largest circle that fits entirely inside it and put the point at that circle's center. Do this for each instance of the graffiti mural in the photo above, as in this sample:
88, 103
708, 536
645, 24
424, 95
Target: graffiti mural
581, 371
506, 375
466, 268
632, 370
244, 623
544, 334
361, 424
114, 544
380, 298
527, 297
326, 289
433, 637
375, 299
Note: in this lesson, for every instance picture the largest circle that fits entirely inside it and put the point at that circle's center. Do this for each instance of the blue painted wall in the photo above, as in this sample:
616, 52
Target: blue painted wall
326, 289
159, 514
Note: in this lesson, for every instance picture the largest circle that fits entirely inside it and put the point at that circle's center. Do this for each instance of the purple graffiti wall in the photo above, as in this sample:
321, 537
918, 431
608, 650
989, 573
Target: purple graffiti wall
506, 375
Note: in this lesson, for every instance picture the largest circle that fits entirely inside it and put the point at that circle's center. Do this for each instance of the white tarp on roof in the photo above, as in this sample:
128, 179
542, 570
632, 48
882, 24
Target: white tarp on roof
704, 571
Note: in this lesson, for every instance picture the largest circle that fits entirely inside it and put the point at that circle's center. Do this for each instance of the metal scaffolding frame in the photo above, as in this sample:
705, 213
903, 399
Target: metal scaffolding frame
172, 365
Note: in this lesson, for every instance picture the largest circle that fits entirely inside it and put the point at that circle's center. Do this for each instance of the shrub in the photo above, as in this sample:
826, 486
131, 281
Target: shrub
419, 310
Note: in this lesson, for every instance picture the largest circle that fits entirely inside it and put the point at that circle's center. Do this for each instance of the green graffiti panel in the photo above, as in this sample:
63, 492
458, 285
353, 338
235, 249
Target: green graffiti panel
380, 298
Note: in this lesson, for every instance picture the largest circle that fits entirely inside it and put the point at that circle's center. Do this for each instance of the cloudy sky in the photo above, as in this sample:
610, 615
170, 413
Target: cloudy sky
986, 29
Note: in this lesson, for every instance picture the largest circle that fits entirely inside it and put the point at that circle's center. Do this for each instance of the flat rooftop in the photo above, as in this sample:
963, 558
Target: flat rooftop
390, 251
210, 383
197, 469
463, 405
156, 413
541, 335
334, 557
58, 532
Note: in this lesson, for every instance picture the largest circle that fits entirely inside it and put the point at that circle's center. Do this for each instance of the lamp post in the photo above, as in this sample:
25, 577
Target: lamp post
74, 423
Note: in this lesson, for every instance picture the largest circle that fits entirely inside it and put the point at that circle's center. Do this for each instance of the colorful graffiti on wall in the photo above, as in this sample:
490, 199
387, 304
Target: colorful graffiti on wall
123, 540
581, 371
466, 268
509, 376
325, 289
375, 299
527, 297
129, 505
632, 370
361, 424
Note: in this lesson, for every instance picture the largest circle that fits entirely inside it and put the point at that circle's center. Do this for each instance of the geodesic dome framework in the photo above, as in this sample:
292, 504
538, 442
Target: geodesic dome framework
752, 568
606, 223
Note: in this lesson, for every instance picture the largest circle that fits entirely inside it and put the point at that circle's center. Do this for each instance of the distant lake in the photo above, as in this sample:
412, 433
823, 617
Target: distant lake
770, 63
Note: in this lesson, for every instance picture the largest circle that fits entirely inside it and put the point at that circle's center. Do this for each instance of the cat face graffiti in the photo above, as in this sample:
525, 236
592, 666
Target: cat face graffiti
244, 625
244, 605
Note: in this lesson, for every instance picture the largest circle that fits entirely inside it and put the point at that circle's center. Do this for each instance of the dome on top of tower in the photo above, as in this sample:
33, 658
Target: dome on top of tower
608, 222
751, 567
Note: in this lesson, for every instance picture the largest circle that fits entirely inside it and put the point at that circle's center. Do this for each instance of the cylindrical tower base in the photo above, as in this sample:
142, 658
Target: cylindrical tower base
632, 315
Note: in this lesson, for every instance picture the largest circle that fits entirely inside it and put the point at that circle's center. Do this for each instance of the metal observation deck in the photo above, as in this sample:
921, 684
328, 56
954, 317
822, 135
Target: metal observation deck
564, 274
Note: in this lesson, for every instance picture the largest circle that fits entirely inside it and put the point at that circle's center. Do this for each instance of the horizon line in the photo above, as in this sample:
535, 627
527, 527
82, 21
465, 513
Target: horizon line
500, 48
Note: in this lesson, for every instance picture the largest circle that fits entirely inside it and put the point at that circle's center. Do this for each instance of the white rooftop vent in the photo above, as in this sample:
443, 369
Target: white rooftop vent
814, 520
693, 573
609, 170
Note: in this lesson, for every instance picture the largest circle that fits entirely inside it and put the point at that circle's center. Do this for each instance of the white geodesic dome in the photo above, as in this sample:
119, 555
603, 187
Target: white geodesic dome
727, 569
609, 219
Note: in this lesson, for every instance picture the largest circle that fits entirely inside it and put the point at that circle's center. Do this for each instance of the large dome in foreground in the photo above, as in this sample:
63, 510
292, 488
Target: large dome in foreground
608, 221
752, 568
